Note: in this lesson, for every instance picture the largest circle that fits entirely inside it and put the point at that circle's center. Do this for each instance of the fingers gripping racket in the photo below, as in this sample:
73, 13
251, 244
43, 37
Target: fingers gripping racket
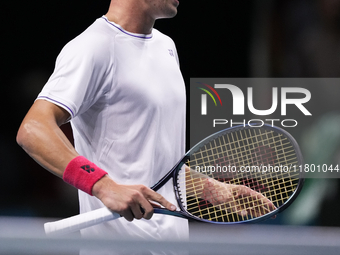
240, 174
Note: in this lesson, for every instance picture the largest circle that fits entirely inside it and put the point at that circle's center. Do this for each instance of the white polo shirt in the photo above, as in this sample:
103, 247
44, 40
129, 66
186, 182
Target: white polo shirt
126, 98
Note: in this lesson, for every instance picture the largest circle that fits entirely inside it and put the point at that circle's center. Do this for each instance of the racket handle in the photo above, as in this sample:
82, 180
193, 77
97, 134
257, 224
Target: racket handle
80, 221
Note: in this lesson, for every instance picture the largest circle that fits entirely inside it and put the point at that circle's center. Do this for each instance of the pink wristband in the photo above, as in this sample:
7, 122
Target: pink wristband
83, 174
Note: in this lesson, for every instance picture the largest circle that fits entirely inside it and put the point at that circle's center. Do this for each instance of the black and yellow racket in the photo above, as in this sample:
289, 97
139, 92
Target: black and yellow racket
240, 174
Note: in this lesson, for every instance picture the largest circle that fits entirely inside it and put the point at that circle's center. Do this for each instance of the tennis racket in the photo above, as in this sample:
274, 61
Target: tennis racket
240, 174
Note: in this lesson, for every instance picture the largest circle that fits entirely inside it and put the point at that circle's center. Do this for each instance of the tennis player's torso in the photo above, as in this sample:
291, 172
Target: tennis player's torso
139, 127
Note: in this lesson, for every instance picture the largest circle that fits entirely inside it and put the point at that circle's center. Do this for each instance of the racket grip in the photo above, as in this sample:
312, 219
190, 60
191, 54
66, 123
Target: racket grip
80, 221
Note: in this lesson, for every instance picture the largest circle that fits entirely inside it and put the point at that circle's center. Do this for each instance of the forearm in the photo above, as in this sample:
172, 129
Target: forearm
44, 141
40, 136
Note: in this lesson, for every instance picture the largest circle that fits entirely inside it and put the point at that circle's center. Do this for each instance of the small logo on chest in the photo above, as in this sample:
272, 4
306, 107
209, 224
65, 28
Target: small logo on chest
171, 52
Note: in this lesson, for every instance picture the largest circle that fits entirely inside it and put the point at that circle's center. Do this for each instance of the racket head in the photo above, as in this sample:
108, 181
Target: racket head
236, 147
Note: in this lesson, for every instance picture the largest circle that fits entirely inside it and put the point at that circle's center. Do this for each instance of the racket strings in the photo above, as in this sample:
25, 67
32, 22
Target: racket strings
234, 156
252, 148
261, 184
228, 210
285, 193
231, 206
264, 184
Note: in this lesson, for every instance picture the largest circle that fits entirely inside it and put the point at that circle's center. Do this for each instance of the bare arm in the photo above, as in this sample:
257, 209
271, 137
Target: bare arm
227, 196
40, 136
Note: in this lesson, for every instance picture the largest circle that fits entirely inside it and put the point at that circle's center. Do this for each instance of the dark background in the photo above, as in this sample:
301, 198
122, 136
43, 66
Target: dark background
251, 38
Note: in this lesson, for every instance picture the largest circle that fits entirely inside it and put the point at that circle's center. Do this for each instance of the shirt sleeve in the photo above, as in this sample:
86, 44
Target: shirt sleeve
78, 80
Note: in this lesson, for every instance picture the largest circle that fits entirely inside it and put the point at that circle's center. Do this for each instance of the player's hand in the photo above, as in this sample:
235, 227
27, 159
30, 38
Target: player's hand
130, 201
238, 199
